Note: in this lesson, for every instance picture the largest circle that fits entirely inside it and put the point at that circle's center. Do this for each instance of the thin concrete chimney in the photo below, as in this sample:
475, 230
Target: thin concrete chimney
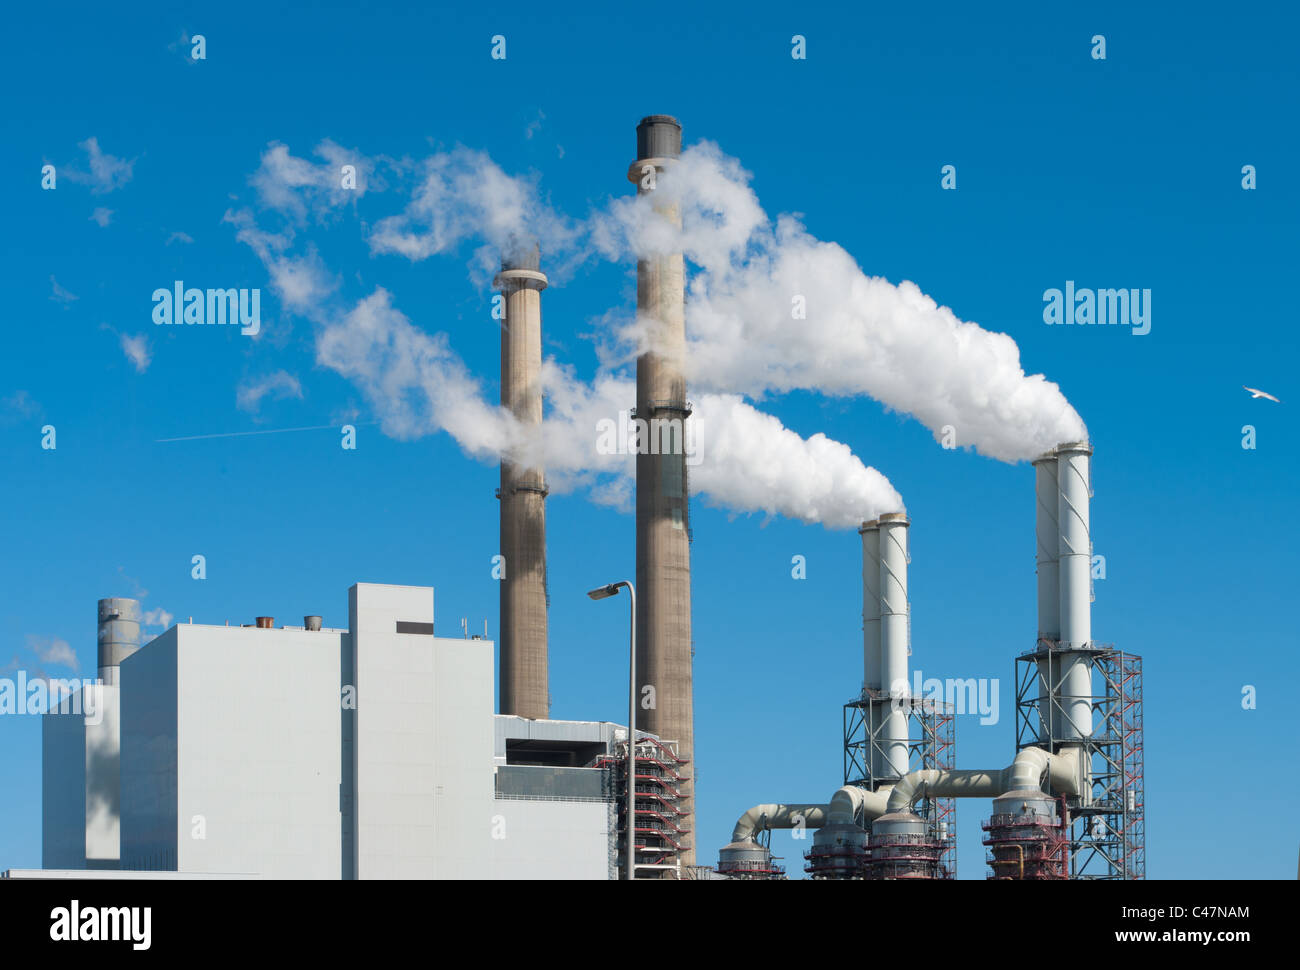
119, 635
525, 688
663, 552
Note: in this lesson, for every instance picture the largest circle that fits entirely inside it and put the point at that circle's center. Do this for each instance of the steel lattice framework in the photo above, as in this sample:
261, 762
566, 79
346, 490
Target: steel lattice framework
934, 745
1108, 828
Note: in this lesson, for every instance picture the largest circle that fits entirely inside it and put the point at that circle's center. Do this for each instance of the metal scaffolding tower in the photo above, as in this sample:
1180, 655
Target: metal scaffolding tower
933, 728
1108, 827
662, 824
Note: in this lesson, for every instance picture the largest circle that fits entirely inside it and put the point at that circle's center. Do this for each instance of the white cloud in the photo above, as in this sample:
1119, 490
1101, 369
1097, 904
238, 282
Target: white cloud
180, 237
302, 283
106, 172
137, 351
297, 186
102, 216
53, 650
463, 195
158, 617
278, 386
60, 295
19, 404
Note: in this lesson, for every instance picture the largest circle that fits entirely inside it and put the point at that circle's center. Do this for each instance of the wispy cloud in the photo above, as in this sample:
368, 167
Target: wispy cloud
18, 405
60, 295
535, 125
137, 351
278, 385
158, 617
102, 216
179, 237
106, 172
53, 650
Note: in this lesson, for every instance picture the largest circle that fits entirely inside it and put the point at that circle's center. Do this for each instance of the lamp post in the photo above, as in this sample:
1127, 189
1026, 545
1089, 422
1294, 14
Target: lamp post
600, 593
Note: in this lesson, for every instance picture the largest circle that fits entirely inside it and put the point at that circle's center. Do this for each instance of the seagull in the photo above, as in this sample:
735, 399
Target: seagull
1256, 392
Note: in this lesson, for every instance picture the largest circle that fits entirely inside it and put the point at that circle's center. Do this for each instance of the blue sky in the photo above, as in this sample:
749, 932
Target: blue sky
1117, 173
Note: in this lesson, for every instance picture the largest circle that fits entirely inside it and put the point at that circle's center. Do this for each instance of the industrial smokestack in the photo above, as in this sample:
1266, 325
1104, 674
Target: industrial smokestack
1075, 550
871, 656
895, 633
119, 635
870, 533
525, 687
663, 554
1048, 533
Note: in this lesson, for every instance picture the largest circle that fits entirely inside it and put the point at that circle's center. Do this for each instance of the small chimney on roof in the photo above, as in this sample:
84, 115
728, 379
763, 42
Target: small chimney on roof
265, 622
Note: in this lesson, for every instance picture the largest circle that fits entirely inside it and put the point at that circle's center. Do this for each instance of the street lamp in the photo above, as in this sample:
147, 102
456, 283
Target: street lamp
600, 593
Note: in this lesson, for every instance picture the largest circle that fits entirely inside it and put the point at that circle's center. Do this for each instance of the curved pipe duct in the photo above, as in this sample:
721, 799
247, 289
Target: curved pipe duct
1032, 765
776, 816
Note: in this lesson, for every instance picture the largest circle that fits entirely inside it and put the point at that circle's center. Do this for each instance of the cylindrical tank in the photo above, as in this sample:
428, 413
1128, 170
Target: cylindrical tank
747, 860
1026, 838
838, 852
901, 848
119, 634
311, 622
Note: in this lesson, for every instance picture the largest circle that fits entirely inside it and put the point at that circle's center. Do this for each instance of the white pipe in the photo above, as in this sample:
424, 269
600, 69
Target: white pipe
870, 533
1029, 769
1076, 588
894, 638
1049, 585
851, 801
777, 816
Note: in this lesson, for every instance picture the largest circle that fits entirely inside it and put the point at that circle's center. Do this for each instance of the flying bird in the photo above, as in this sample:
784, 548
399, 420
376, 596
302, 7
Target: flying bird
1256, 392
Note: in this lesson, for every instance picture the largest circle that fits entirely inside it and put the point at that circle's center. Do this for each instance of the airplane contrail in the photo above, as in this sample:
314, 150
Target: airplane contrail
238, 434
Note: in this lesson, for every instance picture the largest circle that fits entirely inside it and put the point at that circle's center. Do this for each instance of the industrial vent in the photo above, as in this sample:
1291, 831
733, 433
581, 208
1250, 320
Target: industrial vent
409, 626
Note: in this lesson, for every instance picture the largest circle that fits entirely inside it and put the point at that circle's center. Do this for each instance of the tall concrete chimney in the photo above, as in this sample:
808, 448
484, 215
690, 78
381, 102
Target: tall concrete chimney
119, 635
525, 688
663, 552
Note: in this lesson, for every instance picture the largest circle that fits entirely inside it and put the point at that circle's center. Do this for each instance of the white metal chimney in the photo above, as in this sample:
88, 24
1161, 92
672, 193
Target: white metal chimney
1075, 551
870, 533
1049, 542
894, 637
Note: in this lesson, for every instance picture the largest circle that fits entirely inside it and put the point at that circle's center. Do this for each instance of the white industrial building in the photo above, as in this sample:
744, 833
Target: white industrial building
302, 752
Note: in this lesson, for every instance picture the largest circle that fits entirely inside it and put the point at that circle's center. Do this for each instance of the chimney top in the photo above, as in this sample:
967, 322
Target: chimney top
658, 136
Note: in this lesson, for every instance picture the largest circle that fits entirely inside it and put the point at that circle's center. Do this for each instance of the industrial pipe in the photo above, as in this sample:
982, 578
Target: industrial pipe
1027, 771
760, 818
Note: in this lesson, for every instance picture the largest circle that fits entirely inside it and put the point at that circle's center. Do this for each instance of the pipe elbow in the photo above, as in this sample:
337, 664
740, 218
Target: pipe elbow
909, 788
850, 801
777, 816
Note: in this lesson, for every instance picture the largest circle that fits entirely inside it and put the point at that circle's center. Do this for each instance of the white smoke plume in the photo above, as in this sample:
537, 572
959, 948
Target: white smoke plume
740, 458
746, 461
860, 335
